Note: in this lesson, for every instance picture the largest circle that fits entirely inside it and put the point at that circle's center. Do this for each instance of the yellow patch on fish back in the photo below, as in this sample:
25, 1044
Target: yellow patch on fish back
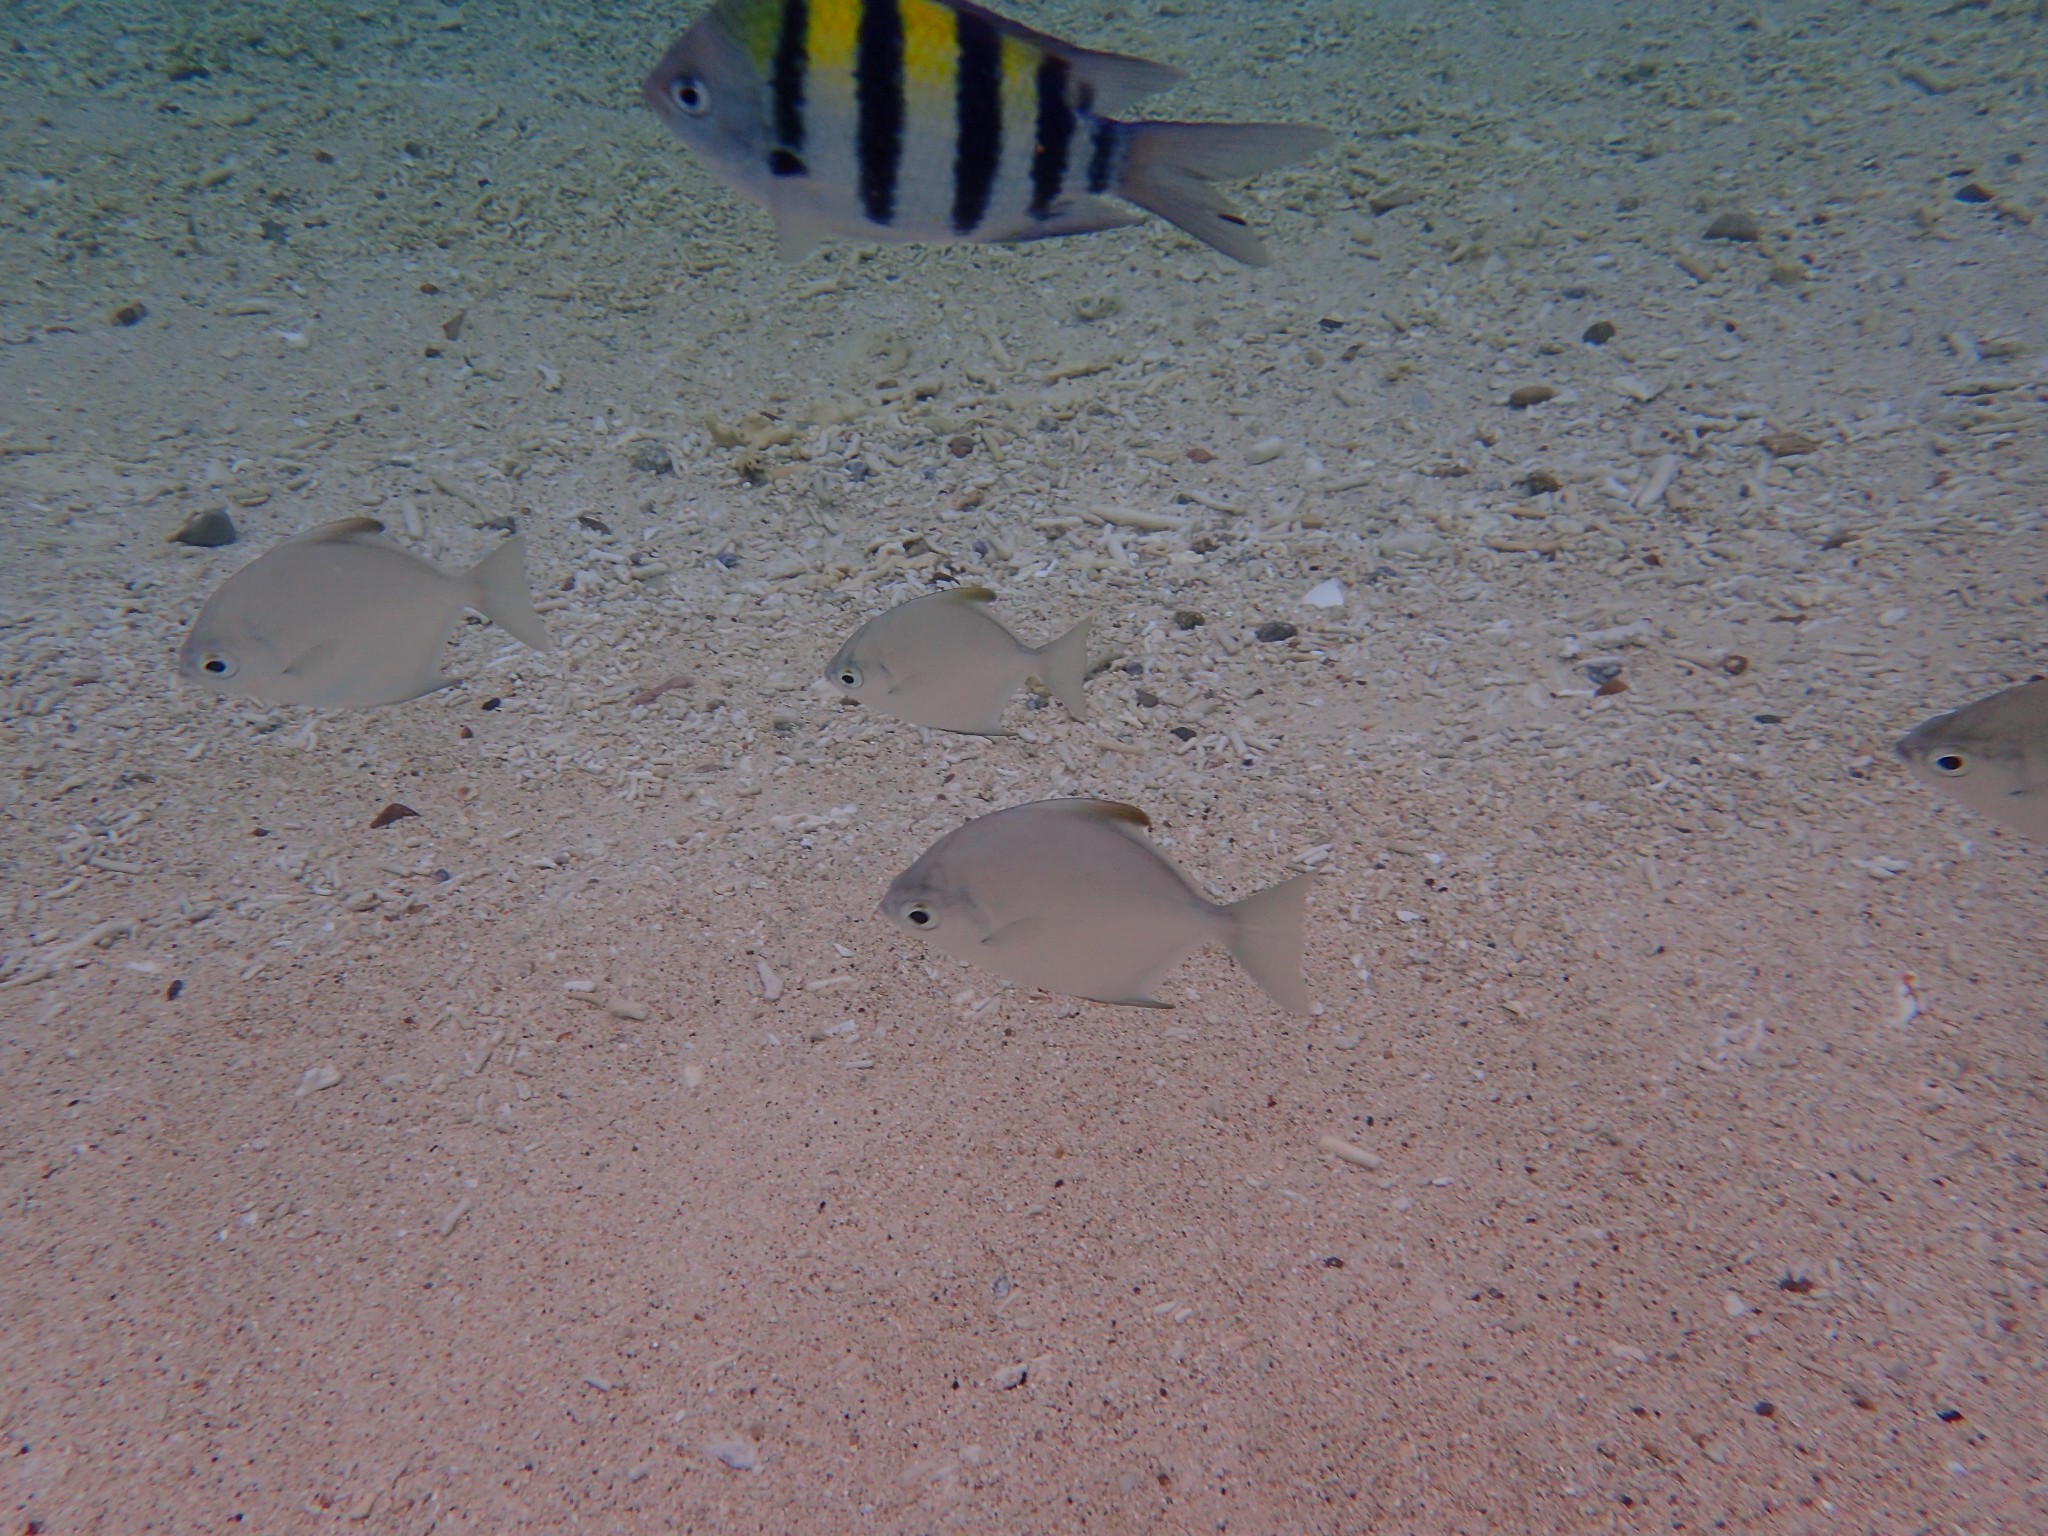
972, 594
931, 47
1116, 810
835, 34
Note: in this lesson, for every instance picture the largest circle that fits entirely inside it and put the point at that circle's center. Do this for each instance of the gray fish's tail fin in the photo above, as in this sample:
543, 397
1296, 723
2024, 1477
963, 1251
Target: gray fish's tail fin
1169, 168
1063, 667
502, 597
1266, 939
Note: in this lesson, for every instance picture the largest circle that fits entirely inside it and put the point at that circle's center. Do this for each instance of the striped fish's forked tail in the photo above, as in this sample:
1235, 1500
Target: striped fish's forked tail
1170, 169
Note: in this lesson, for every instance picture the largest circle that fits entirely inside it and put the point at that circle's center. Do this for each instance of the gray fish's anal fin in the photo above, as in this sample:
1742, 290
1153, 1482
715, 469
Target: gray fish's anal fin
341, 529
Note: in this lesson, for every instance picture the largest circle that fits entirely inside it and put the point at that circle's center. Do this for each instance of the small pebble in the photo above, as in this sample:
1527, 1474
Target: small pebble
208, 528
315, 1079
1968, 192
1274, 630
392, 812
1531, 394
1785, 445
1541, 481
1598, 334
1010, 1377
1346, 1152
961, 446
128, 314
454, 1217
1327, 594
1187, 618
1735, 226
736, 1454
452, 326
1734, 664
652, 459
1265, 450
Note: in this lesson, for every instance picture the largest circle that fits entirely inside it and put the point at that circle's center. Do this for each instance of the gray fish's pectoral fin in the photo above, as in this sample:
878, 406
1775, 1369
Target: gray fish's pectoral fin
794, 239
309, 661
1011, 934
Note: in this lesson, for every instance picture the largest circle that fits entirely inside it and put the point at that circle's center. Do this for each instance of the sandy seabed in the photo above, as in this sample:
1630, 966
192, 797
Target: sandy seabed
584, 1153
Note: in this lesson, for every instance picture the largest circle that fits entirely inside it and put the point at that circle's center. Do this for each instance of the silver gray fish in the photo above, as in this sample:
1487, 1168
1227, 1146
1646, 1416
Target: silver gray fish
340, 616
1991, 755
1071, 896
937, 120
942, 661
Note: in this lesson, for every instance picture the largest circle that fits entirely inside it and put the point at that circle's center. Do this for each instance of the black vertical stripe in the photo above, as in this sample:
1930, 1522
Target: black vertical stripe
978, 102
878, 93
1055, 136
1102, 160
792, 60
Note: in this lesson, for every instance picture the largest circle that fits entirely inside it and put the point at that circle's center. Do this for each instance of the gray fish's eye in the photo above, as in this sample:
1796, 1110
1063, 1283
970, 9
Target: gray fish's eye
847, 676
1951, 763
217, 666
920, 916
689, 95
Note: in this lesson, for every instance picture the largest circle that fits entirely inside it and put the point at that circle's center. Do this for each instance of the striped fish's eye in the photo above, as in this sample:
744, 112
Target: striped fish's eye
690, 95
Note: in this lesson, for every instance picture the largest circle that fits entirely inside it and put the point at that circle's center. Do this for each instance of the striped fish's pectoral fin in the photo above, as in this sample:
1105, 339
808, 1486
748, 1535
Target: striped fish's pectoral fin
795, 238
1077, 216
1114, 79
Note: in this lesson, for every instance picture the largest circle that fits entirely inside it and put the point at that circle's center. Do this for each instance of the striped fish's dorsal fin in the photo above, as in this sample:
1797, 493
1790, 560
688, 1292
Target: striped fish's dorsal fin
1113, 80
344, 528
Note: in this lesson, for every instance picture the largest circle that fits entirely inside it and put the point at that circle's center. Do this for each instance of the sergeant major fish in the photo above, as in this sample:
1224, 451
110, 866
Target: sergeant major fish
340, 616
935, 120
941, 661
1991, 755
1070, 895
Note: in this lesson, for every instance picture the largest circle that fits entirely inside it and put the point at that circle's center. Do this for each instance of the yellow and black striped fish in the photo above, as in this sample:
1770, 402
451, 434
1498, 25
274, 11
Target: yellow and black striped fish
937, 120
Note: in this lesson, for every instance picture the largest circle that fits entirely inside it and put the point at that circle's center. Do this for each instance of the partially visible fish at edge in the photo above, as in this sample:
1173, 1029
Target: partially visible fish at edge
1991, 755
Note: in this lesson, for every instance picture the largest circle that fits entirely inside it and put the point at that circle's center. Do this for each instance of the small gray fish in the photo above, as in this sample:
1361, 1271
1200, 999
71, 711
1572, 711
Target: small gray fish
340, 616
938, 120
1071, 896
1991, 755
942, 661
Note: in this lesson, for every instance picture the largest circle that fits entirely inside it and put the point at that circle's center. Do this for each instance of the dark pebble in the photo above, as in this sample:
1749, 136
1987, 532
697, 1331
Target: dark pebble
1598, 334
857, 469
1531, 394
1766, 1409
961, 446
1736, 226
492, 704
174, 991
1539, 481
1187, 618
1974, 192
207, 529
1601, 672
652, 459
727, 558
1147, 699
392, 812
129, 314
594, 524
1611, 687
1134, 669
1275, 629
1770, 719
1184, 732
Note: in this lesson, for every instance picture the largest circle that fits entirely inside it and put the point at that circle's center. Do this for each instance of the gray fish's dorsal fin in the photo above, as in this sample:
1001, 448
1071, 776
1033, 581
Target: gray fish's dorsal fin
345, 528
1112, 810
1116, 79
